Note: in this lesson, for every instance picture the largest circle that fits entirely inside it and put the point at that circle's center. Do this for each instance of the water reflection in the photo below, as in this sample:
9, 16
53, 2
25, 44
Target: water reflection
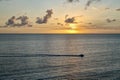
54, 45
98, 60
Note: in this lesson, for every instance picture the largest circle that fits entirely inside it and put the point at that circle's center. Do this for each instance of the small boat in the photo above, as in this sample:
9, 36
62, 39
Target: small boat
81, 55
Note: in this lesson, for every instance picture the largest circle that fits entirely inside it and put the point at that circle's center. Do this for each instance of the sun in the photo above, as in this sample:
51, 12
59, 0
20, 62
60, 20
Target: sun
73, 26
73, 29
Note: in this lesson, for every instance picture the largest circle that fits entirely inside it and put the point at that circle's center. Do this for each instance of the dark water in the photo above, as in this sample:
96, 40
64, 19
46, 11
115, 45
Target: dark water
31, 57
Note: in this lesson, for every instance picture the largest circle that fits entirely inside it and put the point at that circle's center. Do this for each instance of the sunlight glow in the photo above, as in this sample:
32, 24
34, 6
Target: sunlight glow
72, 31
73, 26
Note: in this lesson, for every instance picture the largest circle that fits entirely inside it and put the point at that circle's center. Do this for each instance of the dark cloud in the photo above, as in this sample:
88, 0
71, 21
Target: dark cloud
70, 1
45, 18
70, 20
89, 2
118, 9
110, 20
12, 22
23, 19
39, 20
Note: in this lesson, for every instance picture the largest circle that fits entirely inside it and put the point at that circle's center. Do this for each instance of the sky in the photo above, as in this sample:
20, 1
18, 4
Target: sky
60, 16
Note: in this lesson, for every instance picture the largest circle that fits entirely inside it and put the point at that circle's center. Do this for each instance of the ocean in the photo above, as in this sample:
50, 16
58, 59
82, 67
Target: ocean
49, 57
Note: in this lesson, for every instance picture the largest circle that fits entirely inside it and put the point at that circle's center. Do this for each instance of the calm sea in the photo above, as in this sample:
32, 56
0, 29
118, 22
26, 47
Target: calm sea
31, 57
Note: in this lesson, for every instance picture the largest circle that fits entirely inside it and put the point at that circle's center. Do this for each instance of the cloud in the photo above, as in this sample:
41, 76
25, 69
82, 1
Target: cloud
45, 18
23, 19
89, 2
70, 1
70, 20
12, 22
110, 20
60, 24
39, 20
118, 9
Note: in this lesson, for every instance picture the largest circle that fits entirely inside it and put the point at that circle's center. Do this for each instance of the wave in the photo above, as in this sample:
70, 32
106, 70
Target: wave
108, 75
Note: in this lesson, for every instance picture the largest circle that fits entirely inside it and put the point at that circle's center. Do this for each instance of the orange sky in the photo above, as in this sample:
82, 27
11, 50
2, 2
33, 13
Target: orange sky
60, 16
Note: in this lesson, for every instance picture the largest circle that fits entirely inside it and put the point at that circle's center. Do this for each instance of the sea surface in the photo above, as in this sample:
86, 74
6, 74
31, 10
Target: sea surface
37, 57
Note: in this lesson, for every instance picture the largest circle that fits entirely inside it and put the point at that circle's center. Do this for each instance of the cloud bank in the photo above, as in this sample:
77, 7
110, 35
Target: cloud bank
23, 20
